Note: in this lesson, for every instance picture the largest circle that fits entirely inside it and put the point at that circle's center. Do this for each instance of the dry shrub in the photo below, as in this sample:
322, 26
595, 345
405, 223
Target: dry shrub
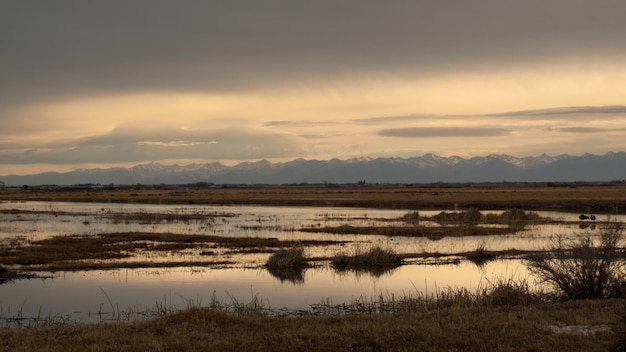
582, 269
376, 256
287, 259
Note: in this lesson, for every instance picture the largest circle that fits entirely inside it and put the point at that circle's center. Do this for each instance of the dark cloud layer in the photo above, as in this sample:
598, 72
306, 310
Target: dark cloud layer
589, 130
438, 132
567, 112
68, 47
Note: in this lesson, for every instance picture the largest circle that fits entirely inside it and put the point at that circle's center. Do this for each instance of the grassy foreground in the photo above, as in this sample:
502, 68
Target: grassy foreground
585, 325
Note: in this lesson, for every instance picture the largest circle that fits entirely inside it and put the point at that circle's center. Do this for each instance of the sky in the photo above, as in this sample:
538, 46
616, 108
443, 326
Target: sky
86, 84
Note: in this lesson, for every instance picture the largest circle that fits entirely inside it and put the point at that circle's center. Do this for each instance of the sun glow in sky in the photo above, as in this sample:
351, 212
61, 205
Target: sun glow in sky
120, 83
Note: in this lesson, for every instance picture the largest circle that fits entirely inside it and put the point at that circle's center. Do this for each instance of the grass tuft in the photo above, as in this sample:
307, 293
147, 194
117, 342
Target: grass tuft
287, 259
412, 217
470, 217
480, 256
375, 257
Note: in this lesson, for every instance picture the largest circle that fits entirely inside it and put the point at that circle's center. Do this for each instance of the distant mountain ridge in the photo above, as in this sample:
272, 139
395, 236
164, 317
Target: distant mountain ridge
427, 168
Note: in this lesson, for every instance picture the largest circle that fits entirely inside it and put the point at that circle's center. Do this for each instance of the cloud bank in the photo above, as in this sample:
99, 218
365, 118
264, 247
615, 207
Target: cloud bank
132, 81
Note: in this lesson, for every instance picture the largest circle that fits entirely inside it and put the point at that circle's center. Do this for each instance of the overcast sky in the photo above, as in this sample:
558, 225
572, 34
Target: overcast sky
117, 83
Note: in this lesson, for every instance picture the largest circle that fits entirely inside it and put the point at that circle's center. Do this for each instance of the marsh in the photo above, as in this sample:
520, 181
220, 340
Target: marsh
99, 261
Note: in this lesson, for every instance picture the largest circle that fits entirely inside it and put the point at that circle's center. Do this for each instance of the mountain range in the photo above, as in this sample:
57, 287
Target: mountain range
428, 168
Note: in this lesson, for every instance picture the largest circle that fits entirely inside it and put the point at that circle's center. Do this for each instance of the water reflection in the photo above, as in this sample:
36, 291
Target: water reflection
375, 271
291, 275
101, 295
132, 293
39, 220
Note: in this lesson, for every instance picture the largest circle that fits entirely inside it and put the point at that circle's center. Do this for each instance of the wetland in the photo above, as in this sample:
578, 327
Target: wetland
437, 267
101, 255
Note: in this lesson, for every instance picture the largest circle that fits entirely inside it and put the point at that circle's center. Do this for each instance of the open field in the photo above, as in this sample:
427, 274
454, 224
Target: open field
585, 198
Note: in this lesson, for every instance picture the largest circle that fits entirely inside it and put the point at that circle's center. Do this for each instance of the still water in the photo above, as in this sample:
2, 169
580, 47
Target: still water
91, 296
95, 296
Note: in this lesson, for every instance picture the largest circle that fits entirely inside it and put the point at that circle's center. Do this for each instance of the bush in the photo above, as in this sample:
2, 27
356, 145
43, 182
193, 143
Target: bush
583, 270
287, 259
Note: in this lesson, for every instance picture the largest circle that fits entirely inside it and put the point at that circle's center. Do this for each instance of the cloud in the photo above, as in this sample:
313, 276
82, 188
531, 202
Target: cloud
589, 130
63, 48
125, 144
299, 123
442, 132
569, 112
302, 77
400, 118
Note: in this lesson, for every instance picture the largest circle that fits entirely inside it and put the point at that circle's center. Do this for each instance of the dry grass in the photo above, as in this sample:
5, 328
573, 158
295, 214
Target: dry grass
287, 259
82, 252
374, 258
480, 256
288, 264
157, 218
412, 218
543, 327
581, 198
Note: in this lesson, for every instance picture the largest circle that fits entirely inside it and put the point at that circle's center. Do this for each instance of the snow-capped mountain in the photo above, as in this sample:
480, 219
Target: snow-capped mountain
427, 168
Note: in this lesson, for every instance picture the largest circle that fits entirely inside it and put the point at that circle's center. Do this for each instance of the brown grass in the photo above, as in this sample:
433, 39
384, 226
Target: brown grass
586, 326
480, 255
287, 259
157, 218
81, 252
375, 257
583, 198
